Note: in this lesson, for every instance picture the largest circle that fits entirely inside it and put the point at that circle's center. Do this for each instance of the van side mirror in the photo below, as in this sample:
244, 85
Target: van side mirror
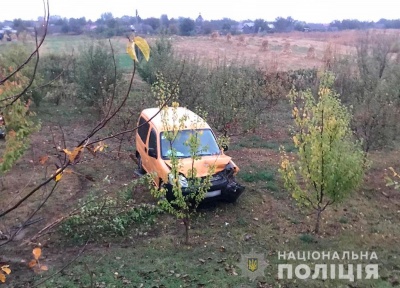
152, 152
224, 147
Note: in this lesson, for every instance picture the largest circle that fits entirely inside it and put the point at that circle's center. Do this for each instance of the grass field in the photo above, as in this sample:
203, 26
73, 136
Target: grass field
265, 219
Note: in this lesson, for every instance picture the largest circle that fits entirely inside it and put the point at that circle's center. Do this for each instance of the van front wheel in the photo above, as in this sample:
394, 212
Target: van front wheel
140, 166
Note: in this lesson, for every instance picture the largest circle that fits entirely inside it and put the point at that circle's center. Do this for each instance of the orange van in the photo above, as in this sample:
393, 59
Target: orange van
153, 151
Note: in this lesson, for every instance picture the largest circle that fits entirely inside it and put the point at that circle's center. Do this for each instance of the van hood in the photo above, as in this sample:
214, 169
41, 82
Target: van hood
202, 165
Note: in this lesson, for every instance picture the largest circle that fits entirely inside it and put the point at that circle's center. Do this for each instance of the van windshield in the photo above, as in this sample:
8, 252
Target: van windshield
180, 144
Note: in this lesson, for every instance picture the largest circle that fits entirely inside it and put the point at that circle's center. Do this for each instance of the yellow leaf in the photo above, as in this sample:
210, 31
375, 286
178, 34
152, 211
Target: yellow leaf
130, 49
58, 176
6, 269
393, 171
91, 150
143, 47
32, 263
296, 142
2, 278
44, 268
74, 155
99, 147
66, 151
36, 253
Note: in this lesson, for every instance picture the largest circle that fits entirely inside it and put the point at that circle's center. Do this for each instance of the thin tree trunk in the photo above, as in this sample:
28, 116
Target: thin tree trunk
186, 221
120, 146
317, 224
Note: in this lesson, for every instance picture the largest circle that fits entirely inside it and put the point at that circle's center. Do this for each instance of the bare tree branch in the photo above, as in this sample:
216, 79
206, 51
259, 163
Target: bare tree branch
31, 216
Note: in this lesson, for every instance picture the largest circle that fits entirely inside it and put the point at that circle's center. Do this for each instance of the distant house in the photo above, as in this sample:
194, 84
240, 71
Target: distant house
54, 29
90, 27
315, 27
270, 28
142, 28
246, 27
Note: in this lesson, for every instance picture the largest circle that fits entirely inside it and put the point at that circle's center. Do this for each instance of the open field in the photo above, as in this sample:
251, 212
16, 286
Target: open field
265, 219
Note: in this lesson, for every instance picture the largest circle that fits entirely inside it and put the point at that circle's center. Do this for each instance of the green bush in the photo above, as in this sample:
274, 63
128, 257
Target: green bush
107, 216
58, 65
57, 72
161, 60
15, 55
95, 74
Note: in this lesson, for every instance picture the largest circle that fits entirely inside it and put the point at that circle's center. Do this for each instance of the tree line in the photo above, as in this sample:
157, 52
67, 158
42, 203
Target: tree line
108, 25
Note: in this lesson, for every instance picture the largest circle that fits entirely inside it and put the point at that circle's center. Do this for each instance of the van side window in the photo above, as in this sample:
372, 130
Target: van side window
153, 141
143, 129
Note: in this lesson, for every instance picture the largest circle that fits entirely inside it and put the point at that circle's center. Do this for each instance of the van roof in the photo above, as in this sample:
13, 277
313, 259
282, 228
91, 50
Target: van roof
193, 121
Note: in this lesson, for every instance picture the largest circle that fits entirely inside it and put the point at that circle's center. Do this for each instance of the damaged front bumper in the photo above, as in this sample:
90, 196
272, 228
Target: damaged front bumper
223, 188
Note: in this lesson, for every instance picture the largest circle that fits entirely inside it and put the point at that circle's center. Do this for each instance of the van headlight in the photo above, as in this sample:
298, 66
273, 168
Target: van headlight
182, 180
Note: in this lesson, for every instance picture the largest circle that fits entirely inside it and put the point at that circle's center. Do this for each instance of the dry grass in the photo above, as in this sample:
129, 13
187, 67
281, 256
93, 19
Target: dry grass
311, 52
228, 37
264, 45
241, 38
286, 48
214, 36
288, 51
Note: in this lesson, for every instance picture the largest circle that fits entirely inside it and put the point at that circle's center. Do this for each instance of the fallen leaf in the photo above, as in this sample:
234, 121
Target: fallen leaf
37, 251
6, 269
32, 263
43, 159
44, 268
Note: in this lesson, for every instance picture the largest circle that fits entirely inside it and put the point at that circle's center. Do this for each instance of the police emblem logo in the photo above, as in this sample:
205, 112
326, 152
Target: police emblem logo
252, 264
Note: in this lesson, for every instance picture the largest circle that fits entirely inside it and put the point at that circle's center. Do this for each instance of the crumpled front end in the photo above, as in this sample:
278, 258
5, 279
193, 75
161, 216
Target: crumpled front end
223, 186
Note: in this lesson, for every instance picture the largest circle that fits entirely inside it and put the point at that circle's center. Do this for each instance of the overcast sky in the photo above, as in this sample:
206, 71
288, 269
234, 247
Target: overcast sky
322, 11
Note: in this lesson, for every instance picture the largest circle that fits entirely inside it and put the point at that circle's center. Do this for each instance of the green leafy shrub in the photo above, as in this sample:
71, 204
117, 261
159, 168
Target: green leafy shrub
161, 61
57, 72
107, 216
19, 120
95, 74
12, 57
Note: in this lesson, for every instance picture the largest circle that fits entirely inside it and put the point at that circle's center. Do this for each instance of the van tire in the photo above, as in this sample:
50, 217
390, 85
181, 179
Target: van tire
140, 166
